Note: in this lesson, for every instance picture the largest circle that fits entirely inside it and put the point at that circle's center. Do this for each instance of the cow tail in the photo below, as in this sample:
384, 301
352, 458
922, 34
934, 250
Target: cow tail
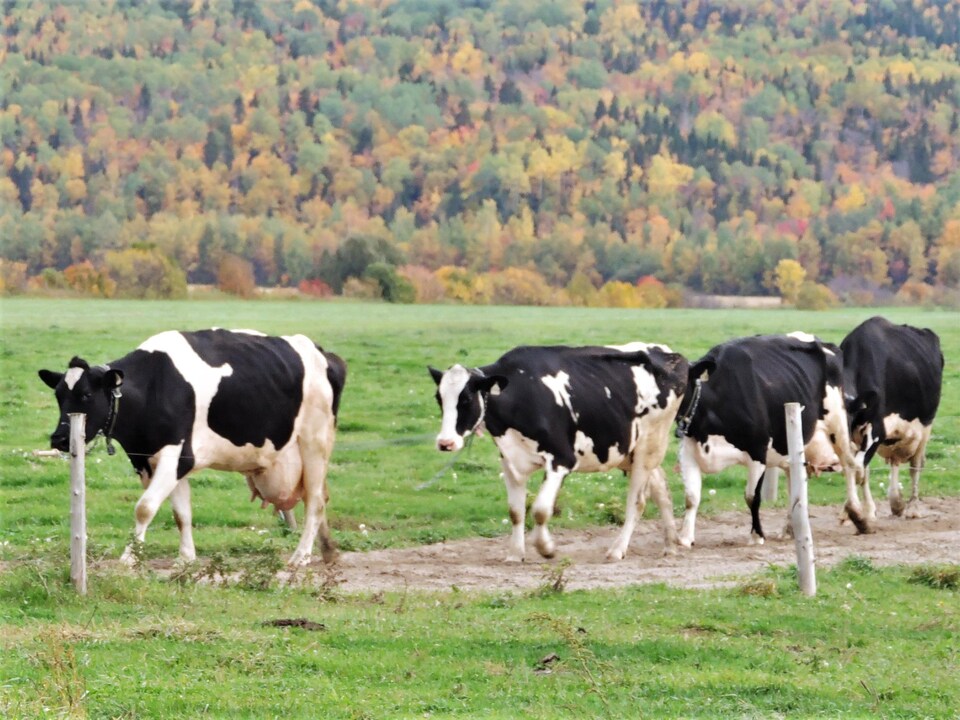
337, 377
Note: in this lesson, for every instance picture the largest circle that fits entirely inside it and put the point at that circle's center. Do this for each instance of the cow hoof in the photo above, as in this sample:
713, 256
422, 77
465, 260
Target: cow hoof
548, 552
330, 554
684, 542
913, 511
513, 559
669, 549
755, 539
615, 555
897, 507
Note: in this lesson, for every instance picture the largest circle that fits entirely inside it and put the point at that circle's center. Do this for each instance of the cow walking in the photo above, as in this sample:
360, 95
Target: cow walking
570, 409
892, 379
228, 400
733, 414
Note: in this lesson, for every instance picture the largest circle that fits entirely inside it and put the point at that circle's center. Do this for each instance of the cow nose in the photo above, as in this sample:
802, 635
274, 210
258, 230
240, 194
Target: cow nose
446, 445
60, 442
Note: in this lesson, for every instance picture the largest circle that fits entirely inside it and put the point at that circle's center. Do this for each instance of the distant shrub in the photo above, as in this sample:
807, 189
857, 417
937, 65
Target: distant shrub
235, 276
145, 273
315, 287
814, 296
13, 277
358, 289
427, 287
915, 293
89, 280
393, 287
518, 286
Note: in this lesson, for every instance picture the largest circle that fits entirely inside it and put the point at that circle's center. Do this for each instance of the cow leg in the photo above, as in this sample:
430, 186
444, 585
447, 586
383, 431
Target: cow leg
517, 502
752, 495
642, 483
853, 507
315, 526
183, 516
917, 462
894, 491
543, 509
692, 486
162, 482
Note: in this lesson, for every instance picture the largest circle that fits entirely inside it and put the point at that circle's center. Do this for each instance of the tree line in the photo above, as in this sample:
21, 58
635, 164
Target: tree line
491, 151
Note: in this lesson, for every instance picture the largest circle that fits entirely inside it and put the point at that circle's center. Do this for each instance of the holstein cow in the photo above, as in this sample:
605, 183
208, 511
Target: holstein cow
570, 409
892, 376
733, 413
228, 400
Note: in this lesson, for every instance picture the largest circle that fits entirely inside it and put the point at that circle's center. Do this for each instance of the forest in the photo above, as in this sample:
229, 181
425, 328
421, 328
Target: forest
483, 151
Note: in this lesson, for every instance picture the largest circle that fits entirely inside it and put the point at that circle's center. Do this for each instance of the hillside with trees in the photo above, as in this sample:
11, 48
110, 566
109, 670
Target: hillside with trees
508, 151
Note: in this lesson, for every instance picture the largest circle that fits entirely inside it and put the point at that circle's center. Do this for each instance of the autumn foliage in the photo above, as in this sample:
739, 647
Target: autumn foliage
561, 152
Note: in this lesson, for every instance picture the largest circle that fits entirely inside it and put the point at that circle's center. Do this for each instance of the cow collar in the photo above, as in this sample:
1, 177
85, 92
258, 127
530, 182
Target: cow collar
683, 424
111, 421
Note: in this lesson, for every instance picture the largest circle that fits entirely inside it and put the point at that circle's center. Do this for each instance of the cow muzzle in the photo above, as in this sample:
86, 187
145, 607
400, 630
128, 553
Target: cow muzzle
60, 441
449, 444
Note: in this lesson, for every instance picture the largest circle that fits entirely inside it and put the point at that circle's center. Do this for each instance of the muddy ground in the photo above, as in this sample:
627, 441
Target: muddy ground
720, 557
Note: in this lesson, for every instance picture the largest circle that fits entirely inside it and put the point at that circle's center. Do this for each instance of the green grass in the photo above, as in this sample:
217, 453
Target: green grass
143, 647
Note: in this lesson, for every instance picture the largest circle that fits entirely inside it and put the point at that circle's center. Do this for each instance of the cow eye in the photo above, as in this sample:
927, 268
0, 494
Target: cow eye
85, 397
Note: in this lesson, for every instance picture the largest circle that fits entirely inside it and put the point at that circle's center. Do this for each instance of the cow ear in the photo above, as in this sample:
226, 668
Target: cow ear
435, 374
486, 383
52, 379
702, 366
112, 379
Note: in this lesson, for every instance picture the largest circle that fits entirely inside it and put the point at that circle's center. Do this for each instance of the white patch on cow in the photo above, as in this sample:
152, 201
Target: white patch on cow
637, 346
72, 377
647, 388
559, 385
802, 336
716, 454
607, 391
451, 385
520, 453
903, 438
587, 460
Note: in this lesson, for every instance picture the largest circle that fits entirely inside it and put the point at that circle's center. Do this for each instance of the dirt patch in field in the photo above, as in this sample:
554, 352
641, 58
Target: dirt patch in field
720, 557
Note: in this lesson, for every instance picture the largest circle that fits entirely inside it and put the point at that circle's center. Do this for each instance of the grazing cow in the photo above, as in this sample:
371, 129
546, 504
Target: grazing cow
733, 413
891, 377
229, 400
570, 409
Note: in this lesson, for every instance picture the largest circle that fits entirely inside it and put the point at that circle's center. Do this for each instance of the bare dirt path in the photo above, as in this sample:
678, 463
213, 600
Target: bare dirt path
721, 555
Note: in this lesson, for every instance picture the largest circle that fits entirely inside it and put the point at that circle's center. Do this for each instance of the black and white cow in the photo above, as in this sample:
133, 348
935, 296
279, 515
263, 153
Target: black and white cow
570, 409
733, 414
229, 400
892, 378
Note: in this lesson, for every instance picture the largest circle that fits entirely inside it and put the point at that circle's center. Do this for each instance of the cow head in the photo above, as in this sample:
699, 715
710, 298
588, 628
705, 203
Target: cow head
461, 394
82, 389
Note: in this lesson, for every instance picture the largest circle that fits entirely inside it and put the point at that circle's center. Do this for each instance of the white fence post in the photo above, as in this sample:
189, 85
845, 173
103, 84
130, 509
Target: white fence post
78, 503
798, 502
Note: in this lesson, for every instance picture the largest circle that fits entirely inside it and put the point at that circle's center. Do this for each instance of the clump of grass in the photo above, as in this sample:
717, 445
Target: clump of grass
554, 578
857, 564
584, 662
63, 686
759, 587
939, 577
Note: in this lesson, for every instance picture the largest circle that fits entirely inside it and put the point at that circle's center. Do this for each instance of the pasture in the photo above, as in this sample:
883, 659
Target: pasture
165, 642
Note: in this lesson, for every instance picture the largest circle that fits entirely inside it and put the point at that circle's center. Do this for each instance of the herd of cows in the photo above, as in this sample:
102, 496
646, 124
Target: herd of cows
267, 407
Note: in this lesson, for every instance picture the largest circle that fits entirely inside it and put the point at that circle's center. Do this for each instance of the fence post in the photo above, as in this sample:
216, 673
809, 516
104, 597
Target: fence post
799, 516
78, 503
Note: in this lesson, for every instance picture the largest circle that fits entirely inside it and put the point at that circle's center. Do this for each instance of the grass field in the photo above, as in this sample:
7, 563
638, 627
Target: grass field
872, 643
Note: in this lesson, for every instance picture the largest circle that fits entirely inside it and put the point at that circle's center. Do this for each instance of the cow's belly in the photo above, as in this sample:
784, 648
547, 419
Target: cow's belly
717, 454
819, 453
588, 459
903, 440
219, 453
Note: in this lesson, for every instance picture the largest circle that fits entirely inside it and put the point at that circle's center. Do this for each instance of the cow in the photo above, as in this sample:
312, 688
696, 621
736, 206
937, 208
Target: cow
233, 400
570, 409
892, 376
733, 414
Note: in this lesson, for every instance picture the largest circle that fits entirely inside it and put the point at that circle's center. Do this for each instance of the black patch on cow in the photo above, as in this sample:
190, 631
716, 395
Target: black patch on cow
528, 406
750, 381
888, 369
261, 398
336, 376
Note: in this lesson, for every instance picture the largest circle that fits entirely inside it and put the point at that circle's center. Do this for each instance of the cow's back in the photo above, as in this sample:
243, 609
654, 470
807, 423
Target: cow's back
744, 396
901, 364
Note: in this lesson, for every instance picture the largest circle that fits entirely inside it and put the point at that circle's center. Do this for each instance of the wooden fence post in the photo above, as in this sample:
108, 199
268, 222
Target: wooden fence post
78, 502
799, 516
